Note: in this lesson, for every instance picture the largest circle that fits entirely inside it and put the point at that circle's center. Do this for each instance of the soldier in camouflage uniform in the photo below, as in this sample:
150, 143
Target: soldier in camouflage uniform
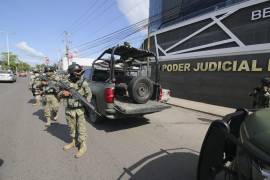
51, 98
31, 79
35, 86
261, 94
75, 112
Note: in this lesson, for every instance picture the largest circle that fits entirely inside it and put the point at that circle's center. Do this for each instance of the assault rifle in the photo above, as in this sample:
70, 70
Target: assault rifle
61, 85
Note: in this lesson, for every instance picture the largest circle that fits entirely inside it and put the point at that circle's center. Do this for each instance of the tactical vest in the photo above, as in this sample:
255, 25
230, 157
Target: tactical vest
48, 90
72, 103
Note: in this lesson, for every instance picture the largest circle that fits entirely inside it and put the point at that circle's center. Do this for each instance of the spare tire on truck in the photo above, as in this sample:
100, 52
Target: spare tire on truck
140, 89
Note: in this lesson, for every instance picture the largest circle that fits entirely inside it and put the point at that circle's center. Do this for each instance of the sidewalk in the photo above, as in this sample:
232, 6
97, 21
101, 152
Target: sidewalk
201, 107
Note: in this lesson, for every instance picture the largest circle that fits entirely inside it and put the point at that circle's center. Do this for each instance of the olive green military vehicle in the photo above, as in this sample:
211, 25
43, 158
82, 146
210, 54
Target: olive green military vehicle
237, 147
125, 83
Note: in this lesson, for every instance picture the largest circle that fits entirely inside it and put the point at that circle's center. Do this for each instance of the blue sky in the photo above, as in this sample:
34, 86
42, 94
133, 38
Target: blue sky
37, 25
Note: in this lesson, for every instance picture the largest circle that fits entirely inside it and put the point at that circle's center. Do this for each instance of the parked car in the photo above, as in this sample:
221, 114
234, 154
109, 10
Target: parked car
22, 74
124, 84
7, 76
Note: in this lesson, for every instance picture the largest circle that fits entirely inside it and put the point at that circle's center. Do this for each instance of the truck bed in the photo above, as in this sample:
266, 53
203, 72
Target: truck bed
129, 108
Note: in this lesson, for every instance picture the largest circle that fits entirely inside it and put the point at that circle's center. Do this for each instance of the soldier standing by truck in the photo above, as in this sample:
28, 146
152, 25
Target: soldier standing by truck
51, 99
75, 111
261, 94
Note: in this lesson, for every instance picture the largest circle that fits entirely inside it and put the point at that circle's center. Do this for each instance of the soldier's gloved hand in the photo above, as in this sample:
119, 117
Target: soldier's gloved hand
66, 93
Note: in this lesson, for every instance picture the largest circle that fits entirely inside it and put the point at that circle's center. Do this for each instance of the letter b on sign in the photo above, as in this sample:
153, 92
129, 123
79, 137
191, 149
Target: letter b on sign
256, 15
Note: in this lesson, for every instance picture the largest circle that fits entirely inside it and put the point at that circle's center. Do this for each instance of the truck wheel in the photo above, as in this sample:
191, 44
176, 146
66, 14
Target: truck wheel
140, 89
94, 118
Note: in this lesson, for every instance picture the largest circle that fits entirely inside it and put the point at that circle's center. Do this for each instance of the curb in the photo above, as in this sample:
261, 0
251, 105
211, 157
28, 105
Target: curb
192, 109
199, 110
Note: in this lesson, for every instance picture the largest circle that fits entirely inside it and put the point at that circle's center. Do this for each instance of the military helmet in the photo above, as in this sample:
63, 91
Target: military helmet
127, 44
35, 70
266, 81
49, 69
74, 68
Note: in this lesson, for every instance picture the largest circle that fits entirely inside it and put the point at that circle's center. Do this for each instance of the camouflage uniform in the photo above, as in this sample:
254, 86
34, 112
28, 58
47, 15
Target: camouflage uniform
75, 112
261, 94
36, 88
261, 97
51, 100
31, 81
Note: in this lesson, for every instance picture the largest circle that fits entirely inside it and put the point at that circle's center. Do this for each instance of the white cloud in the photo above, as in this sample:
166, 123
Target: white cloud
134, 10
29, 50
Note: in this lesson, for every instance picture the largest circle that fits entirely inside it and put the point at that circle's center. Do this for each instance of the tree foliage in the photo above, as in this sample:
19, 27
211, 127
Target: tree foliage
40, 67
15, 64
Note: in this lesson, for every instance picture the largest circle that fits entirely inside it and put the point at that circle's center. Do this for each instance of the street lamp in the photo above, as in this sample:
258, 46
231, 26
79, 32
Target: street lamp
7, 42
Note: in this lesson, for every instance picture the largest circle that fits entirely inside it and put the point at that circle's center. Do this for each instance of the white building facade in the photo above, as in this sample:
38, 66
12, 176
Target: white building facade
64, 62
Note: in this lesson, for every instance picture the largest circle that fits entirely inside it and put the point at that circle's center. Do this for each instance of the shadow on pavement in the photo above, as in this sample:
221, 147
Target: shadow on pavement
111, 125
165, 164
40, 114
61, 131
1, 162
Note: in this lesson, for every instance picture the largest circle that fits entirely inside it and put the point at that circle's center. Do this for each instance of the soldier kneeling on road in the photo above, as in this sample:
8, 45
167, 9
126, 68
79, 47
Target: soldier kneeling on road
261, 94
51, 99
75, 112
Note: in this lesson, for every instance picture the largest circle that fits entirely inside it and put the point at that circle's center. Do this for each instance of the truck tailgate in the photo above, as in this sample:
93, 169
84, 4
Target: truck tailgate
132, 108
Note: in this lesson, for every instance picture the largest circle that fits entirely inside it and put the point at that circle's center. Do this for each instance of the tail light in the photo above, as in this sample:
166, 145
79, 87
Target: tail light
109, 95
160, 94
170, 93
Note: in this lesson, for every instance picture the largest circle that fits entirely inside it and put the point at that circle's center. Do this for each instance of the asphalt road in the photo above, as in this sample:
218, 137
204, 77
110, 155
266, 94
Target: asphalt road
161, 146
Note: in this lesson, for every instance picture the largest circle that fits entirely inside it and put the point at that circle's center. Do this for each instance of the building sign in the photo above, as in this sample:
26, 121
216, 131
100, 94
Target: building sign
225, 80
217, 66
260, 14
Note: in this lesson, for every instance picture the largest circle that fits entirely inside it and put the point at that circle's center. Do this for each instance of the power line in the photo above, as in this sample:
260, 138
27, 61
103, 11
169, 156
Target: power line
76, 21
106, 9
118, 17
109, 44
127, 31
85, 13
142, 23
114, 35
101, 49
98, 8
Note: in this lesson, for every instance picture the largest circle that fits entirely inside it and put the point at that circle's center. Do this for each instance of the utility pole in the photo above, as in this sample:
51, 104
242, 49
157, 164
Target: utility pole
7, 40
67, 43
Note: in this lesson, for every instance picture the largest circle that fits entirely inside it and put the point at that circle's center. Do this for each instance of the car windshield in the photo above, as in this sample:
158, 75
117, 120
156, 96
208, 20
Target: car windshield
87, 73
